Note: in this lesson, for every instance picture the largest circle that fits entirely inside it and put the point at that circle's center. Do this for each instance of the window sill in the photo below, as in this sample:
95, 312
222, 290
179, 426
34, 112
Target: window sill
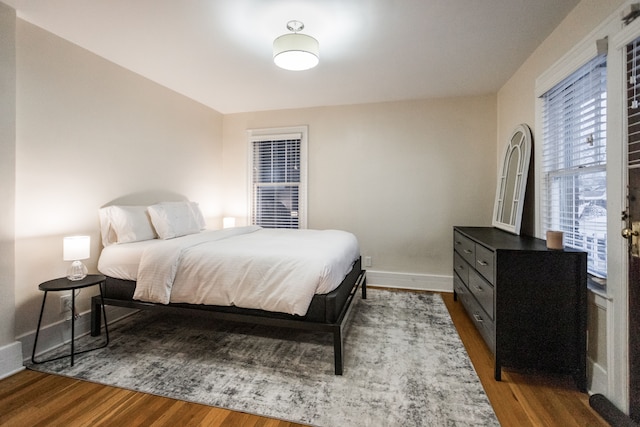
597, 286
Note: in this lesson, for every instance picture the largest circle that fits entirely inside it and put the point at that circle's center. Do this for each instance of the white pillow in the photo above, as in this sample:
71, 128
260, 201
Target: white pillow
107, 232
198, 214
174, 219
123, 224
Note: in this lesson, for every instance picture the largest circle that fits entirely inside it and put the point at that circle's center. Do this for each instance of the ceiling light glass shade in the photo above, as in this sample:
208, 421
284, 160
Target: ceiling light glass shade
296, 52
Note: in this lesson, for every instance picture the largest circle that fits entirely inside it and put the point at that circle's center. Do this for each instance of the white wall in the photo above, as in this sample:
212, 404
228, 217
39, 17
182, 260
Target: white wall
89, 132
399, 175
9, 348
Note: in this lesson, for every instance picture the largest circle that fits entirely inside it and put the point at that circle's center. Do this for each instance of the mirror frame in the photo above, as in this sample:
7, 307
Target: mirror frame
513, 183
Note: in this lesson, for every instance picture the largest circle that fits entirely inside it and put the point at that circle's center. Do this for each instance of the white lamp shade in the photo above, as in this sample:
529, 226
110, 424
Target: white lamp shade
76, 248
296, 52
228, 222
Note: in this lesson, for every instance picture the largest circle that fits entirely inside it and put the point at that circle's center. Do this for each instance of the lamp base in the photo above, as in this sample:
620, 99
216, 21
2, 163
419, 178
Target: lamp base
77, 271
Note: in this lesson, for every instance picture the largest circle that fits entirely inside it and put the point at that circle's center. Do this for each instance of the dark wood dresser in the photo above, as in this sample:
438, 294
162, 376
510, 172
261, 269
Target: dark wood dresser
528, 302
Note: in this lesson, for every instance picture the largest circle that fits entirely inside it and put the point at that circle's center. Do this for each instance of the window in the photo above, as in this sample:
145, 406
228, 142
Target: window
278, 178
574, 162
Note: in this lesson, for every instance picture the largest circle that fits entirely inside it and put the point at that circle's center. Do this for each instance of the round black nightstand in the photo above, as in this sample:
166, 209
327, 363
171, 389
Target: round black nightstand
64, 284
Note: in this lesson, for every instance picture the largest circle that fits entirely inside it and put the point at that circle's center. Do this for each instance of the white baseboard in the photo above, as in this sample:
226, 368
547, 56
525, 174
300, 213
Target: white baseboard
59, 333
425, 282
10, 359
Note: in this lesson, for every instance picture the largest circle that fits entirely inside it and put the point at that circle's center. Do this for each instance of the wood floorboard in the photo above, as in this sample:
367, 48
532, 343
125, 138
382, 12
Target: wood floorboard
31, 398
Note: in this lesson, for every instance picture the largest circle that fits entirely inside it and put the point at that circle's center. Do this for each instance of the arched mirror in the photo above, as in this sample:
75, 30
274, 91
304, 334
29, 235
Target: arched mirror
512, 181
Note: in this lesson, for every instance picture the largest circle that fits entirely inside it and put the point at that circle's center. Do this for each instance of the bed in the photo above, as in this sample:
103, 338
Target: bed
161, 257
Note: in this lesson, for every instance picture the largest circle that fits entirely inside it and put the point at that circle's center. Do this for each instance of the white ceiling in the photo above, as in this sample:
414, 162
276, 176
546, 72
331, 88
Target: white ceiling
219, 52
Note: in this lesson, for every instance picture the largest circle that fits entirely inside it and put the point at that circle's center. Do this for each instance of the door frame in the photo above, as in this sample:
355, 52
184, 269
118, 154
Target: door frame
617, 177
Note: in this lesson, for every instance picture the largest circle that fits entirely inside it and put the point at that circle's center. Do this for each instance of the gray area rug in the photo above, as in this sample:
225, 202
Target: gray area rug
404, 366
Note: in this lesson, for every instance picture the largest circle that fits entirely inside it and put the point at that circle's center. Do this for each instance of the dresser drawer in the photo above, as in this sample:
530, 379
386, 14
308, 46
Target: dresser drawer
461, 267
465, 247
480, 319
459, 287
484, 262
482, 290
485, 326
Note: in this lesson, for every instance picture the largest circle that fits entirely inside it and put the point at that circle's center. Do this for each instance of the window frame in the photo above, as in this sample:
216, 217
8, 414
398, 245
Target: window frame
278, 134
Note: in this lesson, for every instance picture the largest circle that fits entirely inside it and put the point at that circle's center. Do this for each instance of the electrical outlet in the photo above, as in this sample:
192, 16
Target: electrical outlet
65, 305
367, 261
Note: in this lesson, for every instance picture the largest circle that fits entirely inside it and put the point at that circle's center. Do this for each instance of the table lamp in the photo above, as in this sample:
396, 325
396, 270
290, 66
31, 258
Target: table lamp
76, 248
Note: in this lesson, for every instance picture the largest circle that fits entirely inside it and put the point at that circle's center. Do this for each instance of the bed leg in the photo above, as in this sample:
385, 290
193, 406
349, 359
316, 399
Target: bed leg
337, 350
364, 286
96, 316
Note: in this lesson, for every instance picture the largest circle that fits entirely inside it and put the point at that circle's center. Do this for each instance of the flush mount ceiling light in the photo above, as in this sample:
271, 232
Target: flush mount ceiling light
296, 51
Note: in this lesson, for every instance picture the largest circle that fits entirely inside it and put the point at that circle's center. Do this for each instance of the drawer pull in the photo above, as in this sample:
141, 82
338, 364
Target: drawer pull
482, 263
478, 288
458, 242
461, 267
478, 317
468, 251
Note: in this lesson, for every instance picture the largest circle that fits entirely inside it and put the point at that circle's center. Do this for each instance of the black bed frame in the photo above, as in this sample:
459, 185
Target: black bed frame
356, 279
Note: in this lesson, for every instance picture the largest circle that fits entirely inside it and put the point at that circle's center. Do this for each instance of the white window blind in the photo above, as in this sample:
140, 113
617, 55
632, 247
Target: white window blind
277, 181
574, 162
633, 103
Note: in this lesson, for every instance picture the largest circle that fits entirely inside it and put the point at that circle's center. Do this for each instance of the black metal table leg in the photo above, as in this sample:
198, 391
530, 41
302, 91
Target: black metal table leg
104, 315
35, 343
73, 323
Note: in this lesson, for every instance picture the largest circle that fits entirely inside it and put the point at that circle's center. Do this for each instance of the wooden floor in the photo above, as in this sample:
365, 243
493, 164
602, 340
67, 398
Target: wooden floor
35, 399
523, 399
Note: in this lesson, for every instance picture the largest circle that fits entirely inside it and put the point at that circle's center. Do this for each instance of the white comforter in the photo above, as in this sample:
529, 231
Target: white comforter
249, 267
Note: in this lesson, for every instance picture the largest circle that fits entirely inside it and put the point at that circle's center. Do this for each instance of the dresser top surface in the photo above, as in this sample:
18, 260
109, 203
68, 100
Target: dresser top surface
497, 239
